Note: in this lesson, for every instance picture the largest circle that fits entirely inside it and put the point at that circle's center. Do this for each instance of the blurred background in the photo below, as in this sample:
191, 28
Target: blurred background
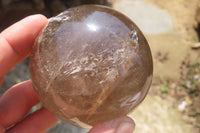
172, 28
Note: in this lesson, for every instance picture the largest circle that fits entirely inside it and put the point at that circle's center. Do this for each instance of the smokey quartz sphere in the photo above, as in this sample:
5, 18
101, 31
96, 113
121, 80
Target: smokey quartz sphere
91, 64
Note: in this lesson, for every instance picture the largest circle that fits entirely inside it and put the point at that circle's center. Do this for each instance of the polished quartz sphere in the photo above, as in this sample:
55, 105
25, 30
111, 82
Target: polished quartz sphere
91, 64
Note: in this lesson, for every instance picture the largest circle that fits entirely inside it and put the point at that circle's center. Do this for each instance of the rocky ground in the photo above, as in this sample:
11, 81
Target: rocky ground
171, 28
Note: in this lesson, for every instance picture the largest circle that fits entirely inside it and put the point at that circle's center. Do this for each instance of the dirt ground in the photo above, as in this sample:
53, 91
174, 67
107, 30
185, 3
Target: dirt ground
184, 89
173, 104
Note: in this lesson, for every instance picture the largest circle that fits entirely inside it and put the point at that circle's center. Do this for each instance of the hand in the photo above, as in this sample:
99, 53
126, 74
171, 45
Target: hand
16, 43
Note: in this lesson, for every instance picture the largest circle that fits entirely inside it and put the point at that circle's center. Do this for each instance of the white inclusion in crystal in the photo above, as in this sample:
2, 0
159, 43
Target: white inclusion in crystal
55, 19
134, 36
65, 18
102, 81
58, 18
84, 60
90, 67
78, 69
136, 97
111, 74
80, 123
92, 27
129, 101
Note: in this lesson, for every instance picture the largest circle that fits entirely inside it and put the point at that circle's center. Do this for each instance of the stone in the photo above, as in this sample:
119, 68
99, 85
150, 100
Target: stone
149, 18
91, 64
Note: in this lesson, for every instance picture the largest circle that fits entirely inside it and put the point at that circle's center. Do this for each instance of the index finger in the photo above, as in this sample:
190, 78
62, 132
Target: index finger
16, 42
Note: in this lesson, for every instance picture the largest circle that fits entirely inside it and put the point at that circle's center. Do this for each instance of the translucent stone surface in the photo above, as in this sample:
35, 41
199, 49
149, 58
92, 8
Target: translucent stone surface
91, 64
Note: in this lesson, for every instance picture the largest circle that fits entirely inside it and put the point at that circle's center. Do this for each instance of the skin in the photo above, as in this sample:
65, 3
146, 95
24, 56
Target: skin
16, 43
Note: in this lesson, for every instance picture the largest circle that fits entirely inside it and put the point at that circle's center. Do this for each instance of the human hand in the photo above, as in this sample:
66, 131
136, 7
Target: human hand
16, 43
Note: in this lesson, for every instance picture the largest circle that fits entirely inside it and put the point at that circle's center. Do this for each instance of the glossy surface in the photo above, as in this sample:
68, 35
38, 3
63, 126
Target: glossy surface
91, 64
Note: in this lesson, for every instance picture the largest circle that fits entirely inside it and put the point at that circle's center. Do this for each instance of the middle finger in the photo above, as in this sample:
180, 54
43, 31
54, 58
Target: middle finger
16, 103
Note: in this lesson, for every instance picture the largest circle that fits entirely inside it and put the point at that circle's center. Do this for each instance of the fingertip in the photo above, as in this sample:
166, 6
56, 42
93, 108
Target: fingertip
42, 19
126, 126
39, 16
17, 41
37, 20
21, 35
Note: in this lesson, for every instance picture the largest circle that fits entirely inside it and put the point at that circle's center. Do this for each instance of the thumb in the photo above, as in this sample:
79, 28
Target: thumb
119, 125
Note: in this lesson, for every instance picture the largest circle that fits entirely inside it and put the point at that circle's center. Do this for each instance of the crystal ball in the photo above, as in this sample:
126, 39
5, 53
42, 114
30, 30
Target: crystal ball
91, 64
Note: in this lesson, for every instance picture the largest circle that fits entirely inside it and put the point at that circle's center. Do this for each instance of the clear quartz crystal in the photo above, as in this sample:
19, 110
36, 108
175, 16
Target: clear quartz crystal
91, 64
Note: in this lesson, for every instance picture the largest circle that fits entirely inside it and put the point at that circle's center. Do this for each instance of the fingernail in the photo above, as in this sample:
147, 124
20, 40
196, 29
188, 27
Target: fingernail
125, 127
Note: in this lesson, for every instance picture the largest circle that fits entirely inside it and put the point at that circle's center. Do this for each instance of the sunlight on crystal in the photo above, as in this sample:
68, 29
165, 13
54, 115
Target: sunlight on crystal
92, 27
